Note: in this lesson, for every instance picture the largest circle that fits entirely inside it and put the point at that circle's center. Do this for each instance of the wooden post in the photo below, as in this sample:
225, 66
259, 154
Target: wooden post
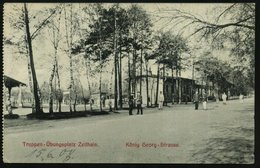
20, 103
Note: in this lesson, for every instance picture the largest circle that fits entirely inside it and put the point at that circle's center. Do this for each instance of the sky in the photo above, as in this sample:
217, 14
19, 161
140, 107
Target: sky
15, 65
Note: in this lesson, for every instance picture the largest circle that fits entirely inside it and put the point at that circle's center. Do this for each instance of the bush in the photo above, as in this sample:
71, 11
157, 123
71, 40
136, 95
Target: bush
65, 115
11, 116
211, 98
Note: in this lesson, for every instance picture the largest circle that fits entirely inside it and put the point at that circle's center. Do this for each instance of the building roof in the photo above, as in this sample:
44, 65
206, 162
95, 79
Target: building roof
10, 82
167, 77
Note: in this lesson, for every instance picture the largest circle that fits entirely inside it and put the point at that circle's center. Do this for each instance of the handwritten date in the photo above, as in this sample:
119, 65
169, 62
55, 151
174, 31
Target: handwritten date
45, 154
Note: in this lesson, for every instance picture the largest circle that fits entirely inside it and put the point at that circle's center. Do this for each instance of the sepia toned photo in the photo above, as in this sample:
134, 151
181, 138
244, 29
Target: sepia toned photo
129, 83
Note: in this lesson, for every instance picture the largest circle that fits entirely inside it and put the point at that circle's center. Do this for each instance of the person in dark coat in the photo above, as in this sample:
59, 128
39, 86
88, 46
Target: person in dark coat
139, 104
131, 104
110, 104
103, 99
196, 100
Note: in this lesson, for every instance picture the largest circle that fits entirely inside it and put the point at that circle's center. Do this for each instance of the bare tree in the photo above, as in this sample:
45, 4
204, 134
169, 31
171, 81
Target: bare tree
21, 21
30, 53
55, 40
69, 40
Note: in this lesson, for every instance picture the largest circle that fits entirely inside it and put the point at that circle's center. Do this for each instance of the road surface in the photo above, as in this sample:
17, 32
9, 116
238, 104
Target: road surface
177, 134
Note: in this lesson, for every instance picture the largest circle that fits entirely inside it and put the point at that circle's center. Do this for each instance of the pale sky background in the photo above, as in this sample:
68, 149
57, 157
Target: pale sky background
15, 65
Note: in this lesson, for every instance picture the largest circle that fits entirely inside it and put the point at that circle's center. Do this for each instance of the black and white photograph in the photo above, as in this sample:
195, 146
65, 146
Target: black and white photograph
128, 83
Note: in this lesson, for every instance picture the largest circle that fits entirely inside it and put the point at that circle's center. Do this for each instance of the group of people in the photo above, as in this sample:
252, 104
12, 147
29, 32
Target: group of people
196, 99
139, 102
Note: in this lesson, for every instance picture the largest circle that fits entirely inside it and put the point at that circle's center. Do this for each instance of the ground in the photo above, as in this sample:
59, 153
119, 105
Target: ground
176, 134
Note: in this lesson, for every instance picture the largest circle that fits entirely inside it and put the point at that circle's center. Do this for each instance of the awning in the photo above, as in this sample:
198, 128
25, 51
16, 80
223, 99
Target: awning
10, 82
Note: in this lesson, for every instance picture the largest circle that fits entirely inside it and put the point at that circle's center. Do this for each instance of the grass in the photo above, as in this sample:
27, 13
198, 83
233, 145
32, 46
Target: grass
30, 119
21, 121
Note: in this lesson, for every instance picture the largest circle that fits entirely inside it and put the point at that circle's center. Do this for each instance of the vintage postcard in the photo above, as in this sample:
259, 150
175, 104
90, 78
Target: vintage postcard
129, 83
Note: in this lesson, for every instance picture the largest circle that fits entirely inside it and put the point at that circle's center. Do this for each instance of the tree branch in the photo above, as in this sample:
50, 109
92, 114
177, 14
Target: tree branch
227, 9
34, 34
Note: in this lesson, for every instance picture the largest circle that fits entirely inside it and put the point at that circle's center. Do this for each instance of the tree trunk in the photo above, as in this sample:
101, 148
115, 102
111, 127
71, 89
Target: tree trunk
134, 73
40, 96
51, 90
115, 87
129, 76
120, 75
30, 77
69, 45
207, 85
55, 91
147, 84
172, 87
84, 99
87, 64
164, 85
55, 72
75, 103
180, 87
115, 63
192, 86
157, 85
201, 86
59, 99
100, 80
177, 86
152, 86
71, 83
60, 94
141, 71
34, 78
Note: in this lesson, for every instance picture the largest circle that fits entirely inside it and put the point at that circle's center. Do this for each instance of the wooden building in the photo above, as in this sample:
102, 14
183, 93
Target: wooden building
168, 86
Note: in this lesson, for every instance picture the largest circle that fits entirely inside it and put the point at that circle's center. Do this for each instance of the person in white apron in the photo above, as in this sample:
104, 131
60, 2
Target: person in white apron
224, 98
204, 101
161, 99
241, 98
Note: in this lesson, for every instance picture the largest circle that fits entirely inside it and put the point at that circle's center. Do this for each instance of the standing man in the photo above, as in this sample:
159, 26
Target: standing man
241, 98
161, 100
217, 98
205, 99
196, 100
8, 104
131, 104
173, 98
110, 104
139, 104
103, 99
186, 98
